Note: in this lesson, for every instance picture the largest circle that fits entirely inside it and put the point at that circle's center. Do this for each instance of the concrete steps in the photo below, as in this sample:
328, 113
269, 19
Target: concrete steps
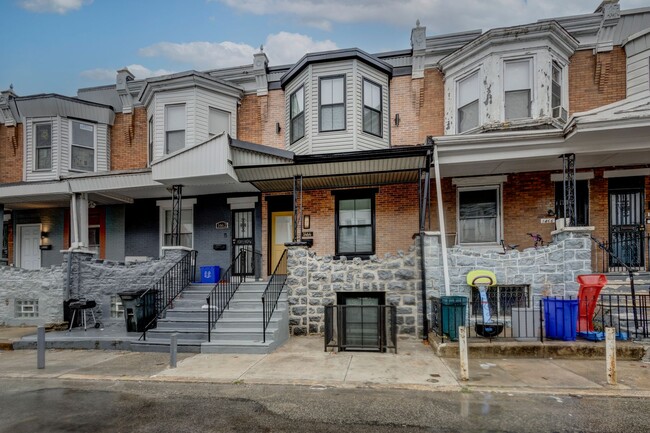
238, 331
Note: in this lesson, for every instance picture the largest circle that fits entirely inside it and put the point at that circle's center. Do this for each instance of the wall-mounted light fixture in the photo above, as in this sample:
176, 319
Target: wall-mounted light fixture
277, 127
45, 241
306, 222
397, 119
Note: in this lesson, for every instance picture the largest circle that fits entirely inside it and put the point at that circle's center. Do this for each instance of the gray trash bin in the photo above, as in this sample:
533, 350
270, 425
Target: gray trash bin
139, 310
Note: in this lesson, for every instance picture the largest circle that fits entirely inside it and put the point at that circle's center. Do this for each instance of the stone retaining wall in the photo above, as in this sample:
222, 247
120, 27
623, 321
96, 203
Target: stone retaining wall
549, 270
90, 278
314, 281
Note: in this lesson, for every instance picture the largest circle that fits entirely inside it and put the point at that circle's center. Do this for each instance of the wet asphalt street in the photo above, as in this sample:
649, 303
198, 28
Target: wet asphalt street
52, 405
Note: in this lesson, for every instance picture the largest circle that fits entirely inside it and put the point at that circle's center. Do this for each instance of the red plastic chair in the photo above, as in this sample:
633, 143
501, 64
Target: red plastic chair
590, 287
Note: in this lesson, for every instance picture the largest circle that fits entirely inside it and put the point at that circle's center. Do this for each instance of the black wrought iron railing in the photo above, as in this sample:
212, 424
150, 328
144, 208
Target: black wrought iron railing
522, 319
626, 251
245, 264
361, 327
273, 291
154, 302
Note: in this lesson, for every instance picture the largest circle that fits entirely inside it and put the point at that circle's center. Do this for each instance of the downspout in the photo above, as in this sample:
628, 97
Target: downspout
424, 205
441, 219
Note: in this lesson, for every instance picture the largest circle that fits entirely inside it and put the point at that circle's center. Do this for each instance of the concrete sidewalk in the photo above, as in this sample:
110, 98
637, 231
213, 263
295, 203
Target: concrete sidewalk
302, 361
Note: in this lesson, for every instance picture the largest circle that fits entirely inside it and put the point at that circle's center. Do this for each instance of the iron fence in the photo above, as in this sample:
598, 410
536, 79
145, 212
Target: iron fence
516, 316
361, 327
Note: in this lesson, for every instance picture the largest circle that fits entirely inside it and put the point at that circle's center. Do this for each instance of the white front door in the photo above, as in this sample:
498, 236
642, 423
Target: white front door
30, 241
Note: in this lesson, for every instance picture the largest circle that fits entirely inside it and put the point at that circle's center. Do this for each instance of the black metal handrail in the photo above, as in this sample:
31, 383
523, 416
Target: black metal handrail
161, 295
630, 272
273, 291
221, 294
637, 250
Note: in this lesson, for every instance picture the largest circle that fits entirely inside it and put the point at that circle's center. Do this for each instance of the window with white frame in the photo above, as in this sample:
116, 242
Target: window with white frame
26, 308
117, 309
479, 214
186, 224
174, 127
517, 87
297, 114
83, 146
43, 146
150, 139
468, 102
372, 109
94, 238
218, 122
332, 104
556, 85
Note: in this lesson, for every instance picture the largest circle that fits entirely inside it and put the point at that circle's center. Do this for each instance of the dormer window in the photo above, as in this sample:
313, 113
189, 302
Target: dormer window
468, 103
332, 104
43, 140
517, 86
83, 146
174, 127
372, 110
219, 122
297, 104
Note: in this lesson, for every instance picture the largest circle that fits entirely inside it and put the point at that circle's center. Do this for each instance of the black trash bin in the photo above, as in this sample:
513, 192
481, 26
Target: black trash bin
139, 309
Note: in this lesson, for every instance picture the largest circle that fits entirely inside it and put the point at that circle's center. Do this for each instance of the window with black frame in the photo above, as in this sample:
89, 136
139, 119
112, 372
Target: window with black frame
297, 114
372, 110
332, 104
355, 223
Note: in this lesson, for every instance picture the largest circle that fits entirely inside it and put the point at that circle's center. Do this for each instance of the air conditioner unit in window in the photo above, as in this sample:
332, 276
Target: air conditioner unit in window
559, 113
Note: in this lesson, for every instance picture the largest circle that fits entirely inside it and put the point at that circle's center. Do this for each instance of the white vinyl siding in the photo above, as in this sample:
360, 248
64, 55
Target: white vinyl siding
102, 148
638, 73
197, 103
31, 174
303, 145
365, 141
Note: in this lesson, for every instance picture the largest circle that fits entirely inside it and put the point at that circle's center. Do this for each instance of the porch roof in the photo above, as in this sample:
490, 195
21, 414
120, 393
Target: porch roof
393, 165
613, 135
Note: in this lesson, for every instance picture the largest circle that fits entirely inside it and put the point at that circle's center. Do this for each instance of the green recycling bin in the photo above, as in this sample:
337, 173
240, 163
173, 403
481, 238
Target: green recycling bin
454, 312
139, 309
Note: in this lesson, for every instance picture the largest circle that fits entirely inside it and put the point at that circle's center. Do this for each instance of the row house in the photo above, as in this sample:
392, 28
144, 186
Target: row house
348, 158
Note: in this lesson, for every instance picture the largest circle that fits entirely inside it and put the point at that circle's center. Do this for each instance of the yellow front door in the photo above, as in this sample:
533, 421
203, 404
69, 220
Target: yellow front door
281, 233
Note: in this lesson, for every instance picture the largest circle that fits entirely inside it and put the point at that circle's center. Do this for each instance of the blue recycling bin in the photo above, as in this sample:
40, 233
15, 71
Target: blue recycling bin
561, 318
210, 274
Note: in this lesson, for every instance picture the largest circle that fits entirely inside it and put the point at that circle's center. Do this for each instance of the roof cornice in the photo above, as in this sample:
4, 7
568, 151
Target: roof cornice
550, 30
334, 56
184, 80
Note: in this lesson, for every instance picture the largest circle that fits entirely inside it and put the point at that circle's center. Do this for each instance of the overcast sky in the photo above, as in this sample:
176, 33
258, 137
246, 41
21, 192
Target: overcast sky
58, 46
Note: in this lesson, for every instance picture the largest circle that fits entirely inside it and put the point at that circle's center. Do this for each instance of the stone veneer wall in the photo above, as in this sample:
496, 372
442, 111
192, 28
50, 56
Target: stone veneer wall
92, 278
550, 270
313, 282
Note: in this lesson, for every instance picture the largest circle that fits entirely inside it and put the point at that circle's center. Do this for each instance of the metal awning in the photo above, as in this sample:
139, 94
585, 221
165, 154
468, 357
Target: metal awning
394, 165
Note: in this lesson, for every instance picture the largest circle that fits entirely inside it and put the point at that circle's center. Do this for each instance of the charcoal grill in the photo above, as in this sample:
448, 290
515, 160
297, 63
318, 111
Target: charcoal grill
82, 306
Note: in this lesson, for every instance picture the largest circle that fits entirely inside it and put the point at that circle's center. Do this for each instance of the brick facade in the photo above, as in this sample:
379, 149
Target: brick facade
129, 138
249, 119
420, 106
596, 80
11, 153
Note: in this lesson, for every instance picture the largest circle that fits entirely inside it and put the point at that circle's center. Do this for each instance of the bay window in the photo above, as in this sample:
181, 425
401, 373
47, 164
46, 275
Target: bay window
517, 86
43, 140
83, 146
372, 109
468, 103
174, 127
332, 104
297, 114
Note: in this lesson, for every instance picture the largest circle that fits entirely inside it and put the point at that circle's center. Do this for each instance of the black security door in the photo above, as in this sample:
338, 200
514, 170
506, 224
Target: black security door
626, 226
243, 232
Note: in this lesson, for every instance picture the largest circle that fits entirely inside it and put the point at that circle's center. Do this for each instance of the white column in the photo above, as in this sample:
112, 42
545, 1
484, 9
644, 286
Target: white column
79, 220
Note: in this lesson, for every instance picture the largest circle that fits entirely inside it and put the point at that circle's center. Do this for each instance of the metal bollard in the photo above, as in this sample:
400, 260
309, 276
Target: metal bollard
462, 346
610, 355
173, 350
40, 347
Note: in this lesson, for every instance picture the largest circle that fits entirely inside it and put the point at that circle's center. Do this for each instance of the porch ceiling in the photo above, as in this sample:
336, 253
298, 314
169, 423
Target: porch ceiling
341, 181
